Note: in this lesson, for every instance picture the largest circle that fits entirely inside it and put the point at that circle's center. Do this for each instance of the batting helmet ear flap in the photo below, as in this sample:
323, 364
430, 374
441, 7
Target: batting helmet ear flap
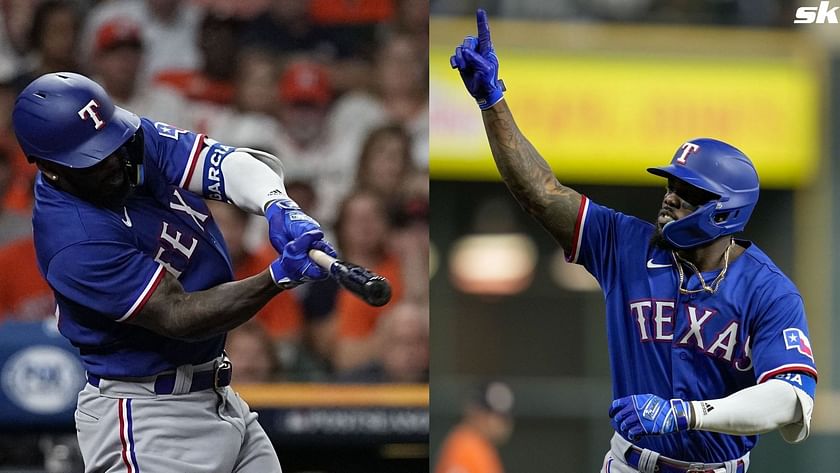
698, 226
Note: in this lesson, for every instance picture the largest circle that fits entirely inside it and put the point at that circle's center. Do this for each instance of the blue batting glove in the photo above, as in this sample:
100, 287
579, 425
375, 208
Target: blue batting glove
476, 60
294, 267
648, 414
286, 222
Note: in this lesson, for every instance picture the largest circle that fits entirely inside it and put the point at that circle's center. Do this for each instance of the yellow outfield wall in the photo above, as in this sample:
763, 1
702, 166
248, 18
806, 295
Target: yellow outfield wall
603, 103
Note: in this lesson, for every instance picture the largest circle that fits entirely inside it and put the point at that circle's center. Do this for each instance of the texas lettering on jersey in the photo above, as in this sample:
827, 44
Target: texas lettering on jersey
172, 239
655, 322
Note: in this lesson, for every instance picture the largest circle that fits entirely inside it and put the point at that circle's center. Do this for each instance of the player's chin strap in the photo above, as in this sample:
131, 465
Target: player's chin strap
133, 155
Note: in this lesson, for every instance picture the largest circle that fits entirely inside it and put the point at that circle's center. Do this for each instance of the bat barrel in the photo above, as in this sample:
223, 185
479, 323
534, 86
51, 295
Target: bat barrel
371, 287
377, 291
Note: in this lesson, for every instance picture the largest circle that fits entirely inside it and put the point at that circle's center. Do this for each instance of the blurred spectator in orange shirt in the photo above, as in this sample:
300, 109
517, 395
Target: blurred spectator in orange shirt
471, 447
19, 175
385, 168
24, 295
13, 225
362, 234
332, 12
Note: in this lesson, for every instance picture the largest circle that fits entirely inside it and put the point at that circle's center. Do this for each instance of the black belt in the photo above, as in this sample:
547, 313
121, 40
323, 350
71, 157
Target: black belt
666, 465
201, 380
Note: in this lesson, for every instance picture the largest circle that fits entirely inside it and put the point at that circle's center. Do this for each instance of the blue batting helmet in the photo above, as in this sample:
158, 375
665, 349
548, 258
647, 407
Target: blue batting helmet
722, 170
69, 119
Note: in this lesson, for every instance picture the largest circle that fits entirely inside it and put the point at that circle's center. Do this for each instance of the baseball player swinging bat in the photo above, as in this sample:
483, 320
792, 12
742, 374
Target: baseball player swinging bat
371, 287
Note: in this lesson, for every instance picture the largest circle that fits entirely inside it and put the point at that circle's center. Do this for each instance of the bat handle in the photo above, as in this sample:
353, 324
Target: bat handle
322, 259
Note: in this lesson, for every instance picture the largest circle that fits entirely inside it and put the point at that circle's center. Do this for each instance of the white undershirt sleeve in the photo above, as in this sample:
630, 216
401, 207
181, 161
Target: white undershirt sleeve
771, 405
252, 178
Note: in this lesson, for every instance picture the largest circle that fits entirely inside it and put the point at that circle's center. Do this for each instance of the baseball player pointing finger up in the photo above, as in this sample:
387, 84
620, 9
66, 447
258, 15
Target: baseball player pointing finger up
142, 277
708, 338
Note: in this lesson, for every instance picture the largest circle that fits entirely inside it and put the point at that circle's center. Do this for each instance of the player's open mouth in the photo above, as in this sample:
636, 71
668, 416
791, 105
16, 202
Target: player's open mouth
664, 218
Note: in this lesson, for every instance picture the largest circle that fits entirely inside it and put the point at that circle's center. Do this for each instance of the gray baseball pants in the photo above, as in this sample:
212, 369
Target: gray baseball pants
125, 427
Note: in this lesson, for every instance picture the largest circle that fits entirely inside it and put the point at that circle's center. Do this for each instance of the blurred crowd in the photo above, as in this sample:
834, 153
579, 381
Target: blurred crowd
336, 88
759, 13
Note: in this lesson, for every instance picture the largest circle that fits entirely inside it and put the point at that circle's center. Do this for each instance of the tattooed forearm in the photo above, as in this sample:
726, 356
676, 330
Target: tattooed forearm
529, 177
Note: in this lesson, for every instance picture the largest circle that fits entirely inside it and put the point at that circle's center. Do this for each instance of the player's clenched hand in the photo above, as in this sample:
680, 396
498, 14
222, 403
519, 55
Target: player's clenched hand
294, 267
286, 222
648, 414
476, 60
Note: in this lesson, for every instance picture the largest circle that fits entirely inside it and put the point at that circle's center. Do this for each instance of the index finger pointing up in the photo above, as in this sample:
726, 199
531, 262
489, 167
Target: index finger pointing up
484, 43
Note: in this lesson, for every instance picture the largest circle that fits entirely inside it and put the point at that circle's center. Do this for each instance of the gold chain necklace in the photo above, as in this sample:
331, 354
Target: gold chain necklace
711, 288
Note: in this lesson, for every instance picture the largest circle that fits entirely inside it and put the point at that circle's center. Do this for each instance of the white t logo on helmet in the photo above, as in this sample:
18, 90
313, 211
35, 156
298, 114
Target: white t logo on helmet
89, 111
687, 148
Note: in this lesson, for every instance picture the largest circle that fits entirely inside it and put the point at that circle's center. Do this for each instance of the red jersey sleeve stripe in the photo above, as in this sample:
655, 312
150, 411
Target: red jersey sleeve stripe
145, 295
786, 369
577, 236
190, 168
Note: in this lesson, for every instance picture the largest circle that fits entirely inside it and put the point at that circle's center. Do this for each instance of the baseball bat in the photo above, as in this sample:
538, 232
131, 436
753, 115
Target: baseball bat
371, 287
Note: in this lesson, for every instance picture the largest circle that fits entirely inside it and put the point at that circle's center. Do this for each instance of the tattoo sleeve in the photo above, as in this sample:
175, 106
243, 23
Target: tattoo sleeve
528, 176
199, 315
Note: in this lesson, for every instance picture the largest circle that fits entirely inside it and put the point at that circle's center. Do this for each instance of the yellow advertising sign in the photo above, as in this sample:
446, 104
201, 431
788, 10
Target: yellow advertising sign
603, 117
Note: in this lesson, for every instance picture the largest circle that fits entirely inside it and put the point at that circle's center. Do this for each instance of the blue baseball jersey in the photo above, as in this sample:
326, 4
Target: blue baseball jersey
103, 264
690, 346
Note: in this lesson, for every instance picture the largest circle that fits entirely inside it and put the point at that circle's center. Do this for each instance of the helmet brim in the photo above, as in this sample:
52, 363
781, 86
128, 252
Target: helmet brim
688, 176
122, 125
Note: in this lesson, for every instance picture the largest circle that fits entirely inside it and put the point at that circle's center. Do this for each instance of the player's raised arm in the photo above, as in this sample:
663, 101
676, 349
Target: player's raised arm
529, 177
526, 173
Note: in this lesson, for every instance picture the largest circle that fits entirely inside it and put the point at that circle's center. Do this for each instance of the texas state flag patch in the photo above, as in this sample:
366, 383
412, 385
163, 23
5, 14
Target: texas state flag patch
796, 339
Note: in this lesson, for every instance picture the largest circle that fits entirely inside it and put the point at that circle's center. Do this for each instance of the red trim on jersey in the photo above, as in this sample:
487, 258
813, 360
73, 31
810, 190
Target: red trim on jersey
197, 146
573, 252
156, 279
123, 438
786, 369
